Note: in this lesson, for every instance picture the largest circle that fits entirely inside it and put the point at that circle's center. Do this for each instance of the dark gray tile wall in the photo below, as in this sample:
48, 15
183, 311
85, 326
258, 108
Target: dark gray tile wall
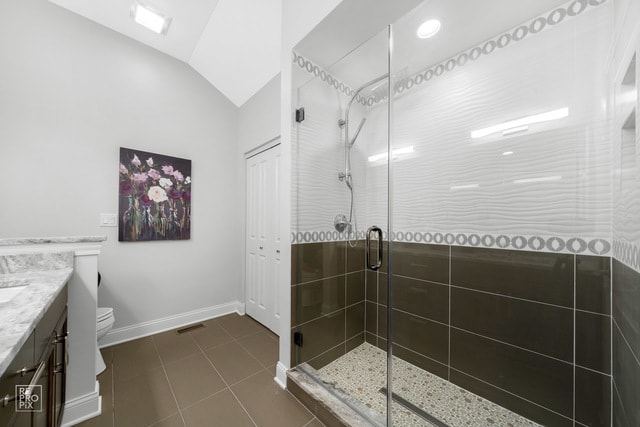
626, 345
327, 300
503, 324
530, 331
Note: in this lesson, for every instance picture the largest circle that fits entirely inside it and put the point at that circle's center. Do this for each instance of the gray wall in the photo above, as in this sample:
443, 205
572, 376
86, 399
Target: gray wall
73, 92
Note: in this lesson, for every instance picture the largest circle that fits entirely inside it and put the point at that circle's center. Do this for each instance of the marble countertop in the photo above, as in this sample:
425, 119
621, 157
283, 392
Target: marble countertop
44, 276
14, 241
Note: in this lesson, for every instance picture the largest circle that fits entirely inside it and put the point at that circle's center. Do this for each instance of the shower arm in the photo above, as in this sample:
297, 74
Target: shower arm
346, 118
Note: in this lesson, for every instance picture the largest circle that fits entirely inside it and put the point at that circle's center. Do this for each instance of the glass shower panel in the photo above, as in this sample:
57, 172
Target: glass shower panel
501, 211
340, 190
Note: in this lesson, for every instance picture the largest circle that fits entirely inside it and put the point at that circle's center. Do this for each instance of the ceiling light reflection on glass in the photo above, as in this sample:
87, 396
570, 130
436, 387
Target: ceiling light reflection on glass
429, 29
521, 125
539, 179
464, 186
395, 153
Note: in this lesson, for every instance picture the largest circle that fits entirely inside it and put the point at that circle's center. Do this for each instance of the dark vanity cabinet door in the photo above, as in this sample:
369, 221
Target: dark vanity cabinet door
42, 361
59, 372
19, 372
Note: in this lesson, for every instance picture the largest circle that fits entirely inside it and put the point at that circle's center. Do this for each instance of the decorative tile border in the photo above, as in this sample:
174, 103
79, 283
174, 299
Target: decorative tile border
519, 33
627, 253
558, 244
324, 236
323, 75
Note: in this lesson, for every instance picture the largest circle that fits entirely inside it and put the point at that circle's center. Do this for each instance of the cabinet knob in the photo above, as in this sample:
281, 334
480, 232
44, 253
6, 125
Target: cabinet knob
277, 251
261, 247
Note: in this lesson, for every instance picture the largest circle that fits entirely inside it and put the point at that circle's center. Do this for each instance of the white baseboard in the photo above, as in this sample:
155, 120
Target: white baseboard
132, 332
82, 408
281, 375
240, 308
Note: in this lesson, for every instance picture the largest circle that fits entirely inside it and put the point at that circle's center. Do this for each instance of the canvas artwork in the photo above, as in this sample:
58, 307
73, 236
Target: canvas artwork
155, 197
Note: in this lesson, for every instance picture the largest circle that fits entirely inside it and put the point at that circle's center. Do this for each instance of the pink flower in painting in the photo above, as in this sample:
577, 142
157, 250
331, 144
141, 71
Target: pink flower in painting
136, 161
154, 174
168, 170
178, 176
166, 183
140, 177
157, 194
150, 161
123, 169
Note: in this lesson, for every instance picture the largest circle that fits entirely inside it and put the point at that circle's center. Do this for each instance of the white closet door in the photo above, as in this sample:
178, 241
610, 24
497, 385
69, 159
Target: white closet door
262, 238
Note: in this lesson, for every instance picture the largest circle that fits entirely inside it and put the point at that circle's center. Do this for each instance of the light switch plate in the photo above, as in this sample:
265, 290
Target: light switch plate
108, 220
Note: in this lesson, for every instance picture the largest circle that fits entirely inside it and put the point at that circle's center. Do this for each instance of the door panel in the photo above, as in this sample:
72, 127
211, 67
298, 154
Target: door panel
262, 238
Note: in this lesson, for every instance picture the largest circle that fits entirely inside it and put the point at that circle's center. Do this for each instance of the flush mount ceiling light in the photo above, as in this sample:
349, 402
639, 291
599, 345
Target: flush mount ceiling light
429, 28
149, 17
521, 125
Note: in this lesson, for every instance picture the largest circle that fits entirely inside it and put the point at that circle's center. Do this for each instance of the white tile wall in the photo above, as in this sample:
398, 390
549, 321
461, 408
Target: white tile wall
562, 66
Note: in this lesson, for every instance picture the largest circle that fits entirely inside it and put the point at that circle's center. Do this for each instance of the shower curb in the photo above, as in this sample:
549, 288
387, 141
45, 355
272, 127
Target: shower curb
326, 406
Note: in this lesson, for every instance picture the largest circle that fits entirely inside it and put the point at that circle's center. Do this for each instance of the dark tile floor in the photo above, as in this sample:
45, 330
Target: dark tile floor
219, 375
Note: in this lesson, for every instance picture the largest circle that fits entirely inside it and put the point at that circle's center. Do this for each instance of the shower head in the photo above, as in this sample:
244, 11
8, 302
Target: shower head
353, 140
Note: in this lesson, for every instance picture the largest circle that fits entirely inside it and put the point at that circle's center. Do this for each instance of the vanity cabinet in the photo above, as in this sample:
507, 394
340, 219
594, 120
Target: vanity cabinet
42, 361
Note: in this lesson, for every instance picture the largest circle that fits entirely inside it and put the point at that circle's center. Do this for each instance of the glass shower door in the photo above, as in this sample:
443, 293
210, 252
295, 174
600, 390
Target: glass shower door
500, 214
340, 193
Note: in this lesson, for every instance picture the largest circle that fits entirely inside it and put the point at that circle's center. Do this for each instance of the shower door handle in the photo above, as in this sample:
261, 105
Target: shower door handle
378, 231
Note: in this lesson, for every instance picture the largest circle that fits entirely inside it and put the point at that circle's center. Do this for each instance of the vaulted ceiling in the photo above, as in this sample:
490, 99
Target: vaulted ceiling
234, 44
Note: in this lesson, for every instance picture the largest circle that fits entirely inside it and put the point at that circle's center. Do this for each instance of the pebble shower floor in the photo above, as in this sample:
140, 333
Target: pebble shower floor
361, 373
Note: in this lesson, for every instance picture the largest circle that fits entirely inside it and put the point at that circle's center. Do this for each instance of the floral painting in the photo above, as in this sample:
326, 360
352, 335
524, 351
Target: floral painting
155, 197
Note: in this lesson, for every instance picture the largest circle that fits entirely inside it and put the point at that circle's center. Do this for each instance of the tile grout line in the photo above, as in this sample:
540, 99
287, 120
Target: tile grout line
228, 387
611, 331
575, 338
264, 369
512, 345
237, 340
113, 393
449, 325
512, 393
164, 370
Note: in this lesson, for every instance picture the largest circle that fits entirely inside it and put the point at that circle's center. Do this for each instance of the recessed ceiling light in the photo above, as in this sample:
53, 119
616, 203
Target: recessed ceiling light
150, 18
429, 28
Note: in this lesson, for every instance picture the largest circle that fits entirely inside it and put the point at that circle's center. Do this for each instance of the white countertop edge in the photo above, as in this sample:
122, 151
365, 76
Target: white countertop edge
15, 329
18, 241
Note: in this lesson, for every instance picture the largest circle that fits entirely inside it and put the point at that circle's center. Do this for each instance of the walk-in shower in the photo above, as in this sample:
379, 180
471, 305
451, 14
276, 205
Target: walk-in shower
501, 165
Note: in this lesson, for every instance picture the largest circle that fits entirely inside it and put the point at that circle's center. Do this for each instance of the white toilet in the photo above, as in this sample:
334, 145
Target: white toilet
104, 323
